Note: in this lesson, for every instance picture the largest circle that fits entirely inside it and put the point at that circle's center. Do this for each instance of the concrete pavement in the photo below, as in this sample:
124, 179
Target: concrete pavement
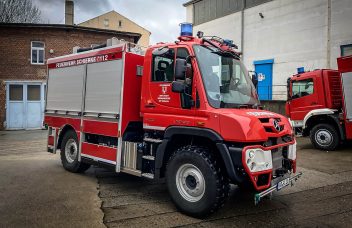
35, 191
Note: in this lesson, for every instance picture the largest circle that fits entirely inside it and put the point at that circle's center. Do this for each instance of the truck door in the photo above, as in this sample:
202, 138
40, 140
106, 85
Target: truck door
164, 107
304, 98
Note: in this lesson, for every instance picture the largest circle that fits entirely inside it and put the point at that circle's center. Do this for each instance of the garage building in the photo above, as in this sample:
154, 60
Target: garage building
24, 49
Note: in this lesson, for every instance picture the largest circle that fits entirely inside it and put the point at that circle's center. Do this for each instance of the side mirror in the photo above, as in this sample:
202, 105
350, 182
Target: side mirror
254, 78
189, 70
178, 86
180, 69
288, 89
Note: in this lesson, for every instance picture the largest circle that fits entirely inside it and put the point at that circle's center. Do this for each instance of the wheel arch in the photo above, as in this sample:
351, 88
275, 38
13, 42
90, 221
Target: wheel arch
328, 118
62, 132
175, 137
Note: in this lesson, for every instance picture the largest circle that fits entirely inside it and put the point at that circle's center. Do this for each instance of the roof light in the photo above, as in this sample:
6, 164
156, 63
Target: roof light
300, 70
186, 29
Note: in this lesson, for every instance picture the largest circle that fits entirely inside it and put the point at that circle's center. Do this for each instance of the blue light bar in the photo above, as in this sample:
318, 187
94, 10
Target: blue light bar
186, 29
300, 70
228, 42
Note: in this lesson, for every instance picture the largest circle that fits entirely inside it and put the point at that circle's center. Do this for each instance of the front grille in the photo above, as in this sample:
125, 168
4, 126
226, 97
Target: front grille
277, 157
281, 164
269, 126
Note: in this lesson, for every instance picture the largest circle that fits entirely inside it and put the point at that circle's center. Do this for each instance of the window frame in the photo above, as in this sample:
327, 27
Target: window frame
37, 49
298, 81
106, 22
153, 67
342, 47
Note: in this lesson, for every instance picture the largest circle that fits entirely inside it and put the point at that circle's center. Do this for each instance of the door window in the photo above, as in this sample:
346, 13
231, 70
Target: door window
302, 88
16, 92
33, 93
163, 67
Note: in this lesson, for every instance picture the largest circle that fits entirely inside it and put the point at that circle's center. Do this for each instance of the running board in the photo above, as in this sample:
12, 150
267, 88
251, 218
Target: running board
259, 196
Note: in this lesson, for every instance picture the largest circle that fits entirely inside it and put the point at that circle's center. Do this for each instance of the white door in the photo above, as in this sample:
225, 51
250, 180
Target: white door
33, 110
15, 107
25, 105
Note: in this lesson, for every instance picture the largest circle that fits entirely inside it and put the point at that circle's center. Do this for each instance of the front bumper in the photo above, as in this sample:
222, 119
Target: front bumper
262, 179
276, 187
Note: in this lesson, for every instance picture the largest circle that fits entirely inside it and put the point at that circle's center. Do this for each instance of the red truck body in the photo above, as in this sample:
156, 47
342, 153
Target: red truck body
321, 97
121, 110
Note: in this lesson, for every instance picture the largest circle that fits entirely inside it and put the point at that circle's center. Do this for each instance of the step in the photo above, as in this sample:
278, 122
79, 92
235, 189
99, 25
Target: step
148, 157
153, 140
148, 175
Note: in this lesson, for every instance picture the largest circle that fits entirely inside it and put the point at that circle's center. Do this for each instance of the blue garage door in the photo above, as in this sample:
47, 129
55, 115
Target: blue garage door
264, 69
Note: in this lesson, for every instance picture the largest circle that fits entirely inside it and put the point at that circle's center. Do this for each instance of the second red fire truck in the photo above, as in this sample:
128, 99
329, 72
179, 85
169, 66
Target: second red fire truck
320, 104
185, 111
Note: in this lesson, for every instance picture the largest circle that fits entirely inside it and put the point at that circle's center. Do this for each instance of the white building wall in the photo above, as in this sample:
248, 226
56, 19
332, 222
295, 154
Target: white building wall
228, 27
295, 33
189, 14
341, 27
292, 32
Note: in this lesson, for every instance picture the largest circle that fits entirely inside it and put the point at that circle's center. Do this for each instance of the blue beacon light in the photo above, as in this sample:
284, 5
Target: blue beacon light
186, 29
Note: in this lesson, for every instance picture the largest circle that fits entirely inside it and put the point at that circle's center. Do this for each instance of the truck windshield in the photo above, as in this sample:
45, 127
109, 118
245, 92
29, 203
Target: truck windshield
225, 79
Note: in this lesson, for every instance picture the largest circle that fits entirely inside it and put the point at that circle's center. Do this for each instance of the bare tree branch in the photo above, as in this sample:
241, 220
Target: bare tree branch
19, 11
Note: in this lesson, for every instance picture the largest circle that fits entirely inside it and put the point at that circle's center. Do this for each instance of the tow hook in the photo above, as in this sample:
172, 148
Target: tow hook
276, 187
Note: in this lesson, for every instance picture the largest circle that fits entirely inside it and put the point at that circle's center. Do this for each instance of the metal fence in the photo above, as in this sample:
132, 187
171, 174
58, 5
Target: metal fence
274, 92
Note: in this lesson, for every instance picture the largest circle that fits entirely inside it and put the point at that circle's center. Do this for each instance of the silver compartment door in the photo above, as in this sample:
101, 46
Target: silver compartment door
65, 88
347, 91
103, 88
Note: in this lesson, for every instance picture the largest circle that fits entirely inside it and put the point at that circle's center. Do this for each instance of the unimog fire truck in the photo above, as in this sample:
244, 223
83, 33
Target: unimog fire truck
186, 112
320, 104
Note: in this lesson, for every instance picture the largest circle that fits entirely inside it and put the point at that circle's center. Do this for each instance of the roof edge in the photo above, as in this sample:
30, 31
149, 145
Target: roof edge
73, 27
190, 2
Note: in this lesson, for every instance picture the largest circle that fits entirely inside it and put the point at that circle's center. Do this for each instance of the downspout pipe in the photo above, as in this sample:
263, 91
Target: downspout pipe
242, 27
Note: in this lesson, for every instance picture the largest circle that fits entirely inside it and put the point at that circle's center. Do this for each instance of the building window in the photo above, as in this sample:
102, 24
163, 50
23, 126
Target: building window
346, 50
120, 24
106, 23
16, 92
37, 52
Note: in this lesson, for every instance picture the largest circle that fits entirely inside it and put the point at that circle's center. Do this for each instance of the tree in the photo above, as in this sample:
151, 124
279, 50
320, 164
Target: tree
19, 11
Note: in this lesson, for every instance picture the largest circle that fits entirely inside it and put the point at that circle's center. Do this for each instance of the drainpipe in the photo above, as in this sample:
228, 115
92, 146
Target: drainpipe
242, 27
328, 37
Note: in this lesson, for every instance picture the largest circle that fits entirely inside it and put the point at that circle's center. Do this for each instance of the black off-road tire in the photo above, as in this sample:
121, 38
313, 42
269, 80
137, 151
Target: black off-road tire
318, 132
216, 183
74, 166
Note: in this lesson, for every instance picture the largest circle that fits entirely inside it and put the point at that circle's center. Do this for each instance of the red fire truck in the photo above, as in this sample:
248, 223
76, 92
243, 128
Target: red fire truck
185, 111
320, 104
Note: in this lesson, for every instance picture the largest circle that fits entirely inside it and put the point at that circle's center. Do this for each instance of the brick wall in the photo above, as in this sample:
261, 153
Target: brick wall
15, 52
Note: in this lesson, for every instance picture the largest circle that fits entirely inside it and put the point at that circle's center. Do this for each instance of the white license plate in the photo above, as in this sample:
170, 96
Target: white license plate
283, 183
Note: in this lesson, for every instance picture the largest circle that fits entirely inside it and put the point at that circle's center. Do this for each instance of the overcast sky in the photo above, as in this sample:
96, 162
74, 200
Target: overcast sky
160, 17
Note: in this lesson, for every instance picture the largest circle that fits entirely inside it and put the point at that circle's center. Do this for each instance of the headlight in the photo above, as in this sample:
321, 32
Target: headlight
258, 160
251, 154
292, 151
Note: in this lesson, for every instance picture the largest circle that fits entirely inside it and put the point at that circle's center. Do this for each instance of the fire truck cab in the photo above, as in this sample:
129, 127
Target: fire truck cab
319, 104
184, 111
